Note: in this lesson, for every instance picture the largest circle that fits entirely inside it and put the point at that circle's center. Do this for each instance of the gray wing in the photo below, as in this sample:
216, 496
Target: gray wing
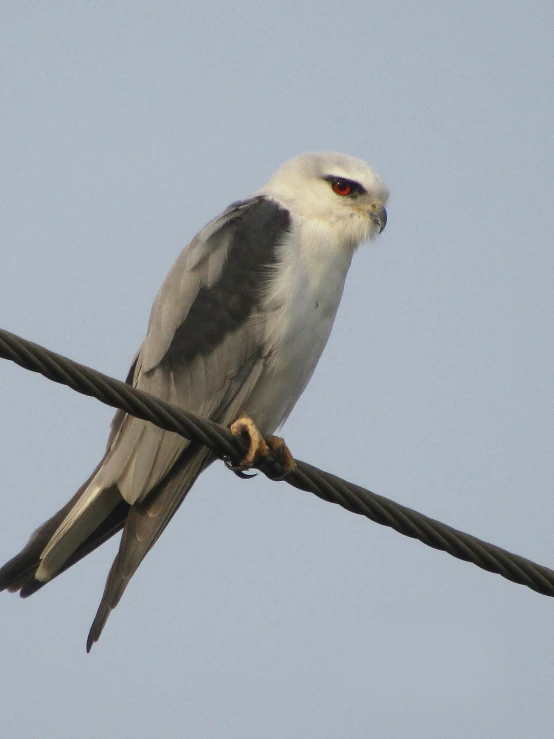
204, 352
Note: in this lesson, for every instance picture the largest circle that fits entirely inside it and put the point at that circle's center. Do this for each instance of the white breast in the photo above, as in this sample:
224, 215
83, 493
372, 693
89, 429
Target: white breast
299, 311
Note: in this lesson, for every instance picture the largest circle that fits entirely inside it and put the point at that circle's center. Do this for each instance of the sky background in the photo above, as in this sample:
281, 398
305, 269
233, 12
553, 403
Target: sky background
263, 611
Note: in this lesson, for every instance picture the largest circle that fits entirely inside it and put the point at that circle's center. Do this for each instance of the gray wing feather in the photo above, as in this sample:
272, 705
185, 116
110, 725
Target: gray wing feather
199, 265
141, 453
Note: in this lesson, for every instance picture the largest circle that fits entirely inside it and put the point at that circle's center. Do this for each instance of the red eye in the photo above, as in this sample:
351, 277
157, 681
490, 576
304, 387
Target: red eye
342, 187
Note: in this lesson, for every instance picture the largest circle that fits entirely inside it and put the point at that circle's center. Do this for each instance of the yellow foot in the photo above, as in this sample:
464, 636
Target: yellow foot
277, 444
245, 427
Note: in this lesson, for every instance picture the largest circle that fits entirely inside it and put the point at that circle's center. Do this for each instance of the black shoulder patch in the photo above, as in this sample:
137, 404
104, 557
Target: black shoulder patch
222, 308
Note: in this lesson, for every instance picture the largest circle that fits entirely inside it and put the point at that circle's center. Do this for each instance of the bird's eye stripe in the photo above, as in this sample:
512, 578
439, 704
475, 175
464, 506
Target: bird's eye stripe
342, 186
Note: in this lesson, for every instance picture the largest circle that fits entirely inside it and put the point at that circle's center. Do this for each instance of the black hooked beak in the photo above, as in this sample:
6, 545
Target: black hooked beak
379, 218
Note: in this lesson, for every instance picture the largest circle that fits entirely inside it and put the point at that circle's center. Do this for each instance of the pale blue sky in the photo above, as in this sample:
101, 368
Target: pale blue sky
262, 611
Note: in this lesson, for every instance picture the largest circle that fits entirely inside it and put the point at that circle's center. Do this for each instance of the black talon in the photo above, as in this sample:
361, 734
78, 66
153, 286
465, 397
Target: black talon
237, 469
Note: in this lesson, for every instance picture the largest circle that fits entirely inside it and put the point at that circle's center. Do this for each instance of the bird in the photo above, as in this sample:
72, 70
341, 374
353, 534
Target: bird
234, 335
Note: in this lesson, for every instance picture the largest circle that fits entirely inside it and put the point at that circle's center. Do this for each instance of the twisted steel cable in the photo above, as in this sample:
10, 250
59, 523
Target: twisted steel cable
306, 477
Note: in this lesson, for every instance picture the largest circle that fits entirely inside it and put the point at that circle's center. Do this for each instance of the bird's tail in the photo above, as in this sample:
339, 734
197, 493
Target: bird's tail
144, 524
19, 574
107, 513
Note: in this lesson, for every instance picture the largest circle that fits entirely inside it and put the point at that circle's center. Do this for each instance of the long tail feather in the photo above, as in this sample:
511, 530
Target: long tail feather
144, 524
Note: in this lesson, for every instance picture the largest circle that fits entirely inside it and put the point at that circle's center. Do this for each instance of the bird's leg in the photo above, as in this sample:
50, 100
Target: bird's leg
259, 447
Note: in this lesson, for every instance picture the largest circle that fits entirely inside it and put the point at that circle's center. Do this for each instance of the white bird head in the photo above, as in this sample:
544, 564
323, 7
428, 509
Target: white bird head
342, 194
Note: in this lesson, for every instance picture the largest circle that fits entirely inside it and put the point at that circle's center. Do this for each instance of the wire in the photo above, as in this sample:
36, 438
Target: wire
306, 477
